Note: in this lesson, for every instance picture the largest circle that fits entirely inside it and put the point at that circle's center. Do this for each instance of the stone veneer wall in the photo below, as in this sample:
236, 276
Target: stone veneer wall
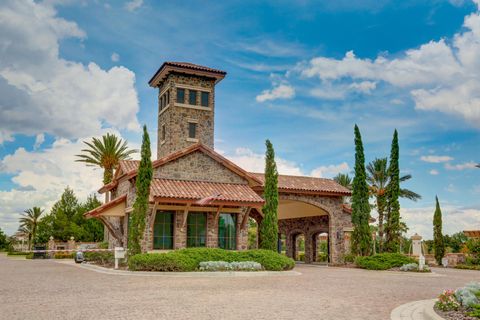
175, 117
197, 166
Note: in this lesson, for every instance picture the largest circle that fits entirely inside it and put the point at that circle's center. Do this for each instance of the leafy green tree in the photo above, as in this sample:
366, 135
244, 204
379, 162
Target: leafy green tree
378, 180
29, 223
269, 224
3, 240
343, 179
438, 244
456, 241
361, 237
92, 229
140, 206
105, 153
393, 227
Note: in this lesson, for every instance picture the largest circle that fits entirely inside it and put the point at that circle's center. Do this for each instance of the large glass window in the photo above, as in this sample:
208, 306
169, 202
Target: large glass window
180, 95
196, 229
163, 230
227, 231
192, 97
204, 99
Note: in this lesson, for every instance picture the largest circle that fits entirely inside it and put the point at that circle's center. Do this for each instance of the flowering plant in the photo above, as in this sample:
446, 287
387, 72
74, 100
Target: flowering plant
447, 301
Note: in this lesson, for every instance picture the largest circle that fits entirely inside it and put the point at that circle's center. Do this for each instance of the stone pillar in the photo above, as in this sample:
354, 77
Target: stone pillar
71, 244
347, 240
180, 231
308, 248
212, 230
242, 234
51, 246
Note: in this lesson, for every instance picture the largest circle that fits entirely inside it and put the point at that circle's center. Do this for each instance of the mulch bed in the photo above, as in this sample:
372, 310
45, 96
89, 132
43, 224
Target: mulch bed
454, 315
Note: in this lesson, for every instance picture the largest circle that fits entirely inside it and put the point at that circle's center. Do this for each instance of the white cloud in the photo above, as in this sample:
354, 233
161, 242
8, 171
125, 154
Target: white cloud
434, 172
439, 75
330, 171
254, 162
115, 57
42, 93
451, 188
331, 91
39, 139
365, 86
133, 5
461, 166
282, 91
436, 159
454, 218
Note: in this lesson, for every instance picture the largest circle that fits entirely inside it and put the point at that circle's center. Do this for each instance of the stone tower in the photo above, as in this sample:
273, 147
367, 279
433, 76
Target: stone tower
186, 105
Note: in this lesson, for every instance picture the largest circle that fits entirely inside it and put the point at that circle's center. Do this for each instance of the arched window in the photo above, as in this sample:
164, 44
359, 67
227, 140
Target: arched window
227, 231
163, 230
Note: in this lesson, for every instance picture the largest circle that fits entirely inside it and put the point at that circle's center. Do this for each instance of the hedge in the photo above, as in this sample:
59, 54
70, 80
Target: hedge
99, 257
189, 259
17, 253
63, 255
467, 267
383, 261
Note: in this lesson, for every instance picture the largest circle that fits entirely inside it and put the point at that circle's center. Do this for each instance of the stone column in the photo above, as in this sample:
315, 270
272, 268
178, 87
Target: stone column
416, 245
180, 231
71, 244
51, 246
212, 230
242, 234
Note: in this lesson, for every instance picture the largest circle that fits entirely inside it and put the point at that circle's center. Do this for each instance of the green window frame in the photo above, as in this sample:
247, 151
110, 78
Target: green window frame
197, 229
204, 99
180, 95
163, 230
192, 97
227, 231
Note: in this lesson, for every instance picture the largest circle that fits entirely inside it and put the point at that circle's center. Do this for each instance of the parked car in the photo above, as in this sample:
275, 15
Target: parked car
79, 257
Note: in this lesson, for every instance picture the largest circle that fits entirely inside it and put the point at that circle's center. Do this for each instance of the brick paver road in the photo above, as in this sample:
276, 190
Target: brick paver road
49, 290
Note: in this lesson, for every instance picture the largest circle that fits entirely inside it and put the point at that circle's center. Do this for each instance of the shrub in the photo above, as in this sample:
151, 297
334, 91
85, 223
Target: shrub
171, 261
409, 267
230, 266
349, 258
468, 267
63, 255
29, 256
17, 253
466, 296
99, 257
190, 259
447, 301
383, 261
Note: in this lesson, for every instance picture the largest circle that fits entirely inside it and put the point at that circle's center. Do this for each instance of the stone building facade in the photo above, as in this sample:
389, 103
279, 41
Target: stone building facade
200, 198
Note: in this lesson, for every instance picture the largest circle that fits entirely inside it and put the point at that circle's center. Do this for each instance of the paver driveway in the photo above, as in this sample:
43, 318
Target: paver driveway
49, 290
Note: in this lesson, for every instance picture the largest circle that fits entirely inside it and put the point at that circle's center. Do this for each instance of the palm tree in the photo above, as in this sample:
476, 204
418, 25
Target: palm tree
344, 179
105, 153
29, 222
378, 179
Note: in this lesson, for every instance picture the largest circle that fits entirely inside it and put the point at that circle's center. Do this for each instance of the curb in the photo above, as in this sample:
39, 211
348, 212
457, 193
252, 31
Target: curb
220, 274
416, 310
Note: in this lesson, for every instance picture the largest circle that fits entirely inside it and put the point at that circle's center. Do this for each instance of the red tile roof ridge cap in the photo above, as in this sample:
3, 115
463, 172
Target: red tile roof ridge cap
201, 181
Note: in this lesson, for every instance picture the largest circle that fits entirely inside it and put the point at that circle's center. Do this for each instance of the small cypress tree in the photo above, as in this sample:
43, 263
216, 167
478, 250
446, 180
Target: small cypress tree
361, 237
269, 224
140, 206
393, 232
438, 242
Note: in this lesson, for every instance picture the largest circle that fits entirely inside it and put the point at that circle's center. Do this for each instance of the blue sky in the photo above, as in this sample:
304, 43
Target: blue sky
299, 73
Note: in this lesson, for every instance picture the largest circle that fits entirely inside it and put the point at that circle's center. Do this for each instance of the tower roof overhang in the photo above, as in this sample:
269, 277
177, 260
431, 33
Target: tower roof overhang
186, 68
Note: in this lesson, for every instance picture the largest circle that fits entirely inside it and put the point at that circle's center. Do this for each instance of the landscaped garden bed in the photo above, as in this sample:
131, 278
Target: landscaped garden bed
387, 261
190, 260
461, 304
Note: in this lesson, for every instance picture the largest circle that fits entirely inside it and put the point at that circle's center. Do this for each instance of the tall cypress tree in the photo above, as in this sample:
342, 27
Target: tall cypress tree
438, 243
361, 237
140, 206
269, 224
393, 232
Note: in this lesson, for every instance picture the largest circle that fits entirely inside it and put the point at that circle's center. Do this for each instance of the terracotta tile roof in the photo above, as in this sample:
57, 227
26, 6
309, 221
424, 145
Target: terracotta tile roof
128, 165
308, 184
472, 233
196, 190
171, 66
192, 66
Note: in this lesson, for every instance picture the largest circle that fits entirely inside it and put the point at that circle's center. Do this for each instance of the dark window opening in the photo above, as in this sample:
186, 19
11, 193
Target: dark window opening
192, 130
163, 231
196, 229
227, 231
180, 95
204, 99
192, 97
163, 132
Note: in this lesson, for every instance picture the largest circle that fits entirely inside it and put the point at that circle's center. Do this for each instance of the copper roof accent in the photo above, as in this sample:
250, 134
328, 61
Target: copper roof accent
472, 233
306, 184
95, 212
184, 67
171, 190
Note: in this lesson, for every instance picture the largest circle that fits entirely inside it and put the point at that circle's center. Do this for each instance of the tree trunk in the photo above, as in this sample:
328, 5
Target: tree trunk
381, 214
107, 175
